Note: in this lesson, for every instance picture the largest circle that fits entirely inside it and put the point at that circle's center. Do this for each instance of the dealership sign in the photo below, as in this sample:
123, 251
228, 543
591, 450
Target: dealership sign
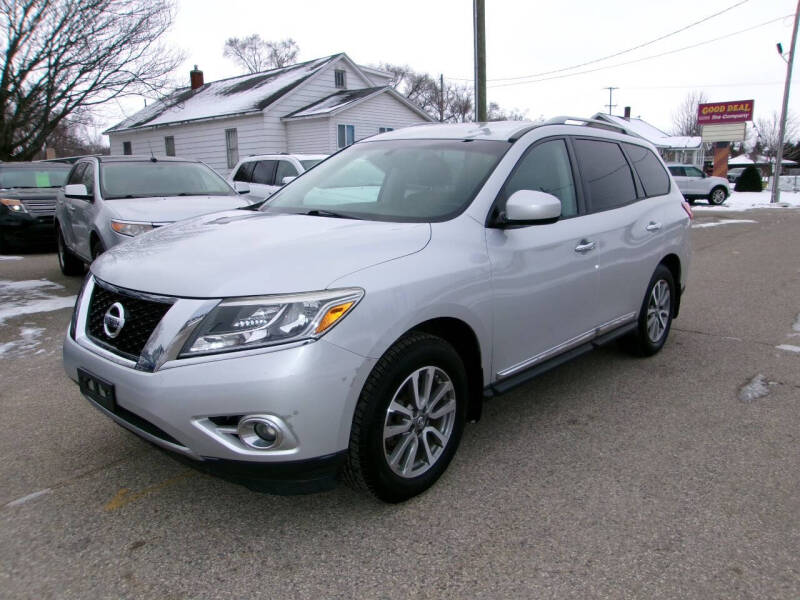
717, 113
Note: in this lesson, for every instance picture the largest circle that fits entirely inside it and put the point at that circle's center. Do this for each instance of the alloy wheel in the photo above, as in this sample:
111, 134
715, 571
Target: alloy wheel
658, 311
419, 422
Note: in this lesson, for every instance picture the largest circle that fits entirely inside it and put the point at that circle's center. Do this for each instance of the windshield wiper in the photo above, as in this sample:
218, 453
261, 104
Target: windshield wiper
317, 212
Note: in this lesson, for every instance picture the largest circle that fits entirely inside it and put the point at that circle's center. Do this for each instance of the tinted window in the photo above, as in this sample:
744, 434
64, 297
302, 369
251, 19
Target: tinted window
676, 171
606, 174
263, 172
244, 172
653, 176
285, 169
77, 173
39, 177
399, 180
87, 178
546, 168
154, 179
693, 172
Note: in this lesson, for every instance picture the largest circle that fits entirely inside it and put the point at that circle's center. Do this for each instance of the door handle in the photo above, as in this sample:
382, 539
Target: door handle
584, 246
653, 226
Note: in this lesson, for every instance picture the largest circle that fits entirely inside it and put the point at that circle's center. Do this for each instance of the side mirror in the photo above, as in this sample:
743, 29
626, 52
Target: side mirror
528, 206
77, 190
241, 187
286, 180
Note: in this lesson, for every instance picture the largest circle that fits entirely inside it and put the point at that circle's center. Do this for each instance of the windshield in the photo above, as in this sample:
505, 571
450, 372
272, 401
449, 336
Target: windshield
26, 177
151, 179
394, 180
307, 164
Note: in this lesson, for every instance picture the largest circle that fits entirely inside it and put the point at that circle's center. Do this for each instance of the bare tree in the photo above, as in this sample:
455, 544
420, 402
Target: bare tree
684, 119
496, 113
255, 55
768, 129
64, 55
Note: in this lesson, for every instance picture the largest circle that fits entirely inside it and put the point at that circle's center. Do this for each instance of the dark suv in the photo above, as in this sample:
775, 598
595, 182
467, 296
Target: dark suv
28, 200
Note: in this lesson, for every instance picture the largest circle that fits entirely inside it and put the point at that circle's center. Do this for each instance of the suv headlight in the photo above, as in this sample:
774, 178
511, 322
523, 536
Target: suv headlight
13, 205
255, 322
130, 228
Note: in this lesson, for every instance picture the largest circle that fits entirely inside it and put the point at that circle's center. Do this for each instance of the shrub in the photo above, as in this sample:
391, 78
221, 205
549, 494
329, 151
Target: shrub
749, 180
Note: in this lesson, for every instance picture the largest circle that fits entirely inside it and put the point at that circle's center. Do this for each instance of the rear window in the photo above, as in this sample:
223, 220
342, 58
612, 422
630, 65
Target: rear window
153, 179
606, 174
651, 173
39, 177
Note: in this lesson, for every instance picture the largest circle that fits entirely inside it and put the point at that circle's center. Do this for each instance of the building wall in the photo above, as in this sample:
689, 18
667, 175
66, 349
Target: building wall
381, 111
309, 136
204, 140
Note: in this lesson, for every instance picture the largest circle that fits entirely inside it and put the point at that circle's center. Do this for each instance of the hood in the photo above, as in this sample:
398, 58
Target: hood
243, 253
30, 193
172, 208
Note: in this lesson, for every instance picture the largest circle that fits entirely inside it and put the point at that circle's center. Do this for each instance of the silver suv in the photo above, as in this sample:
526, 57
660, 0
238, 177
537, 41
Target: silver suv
109, 199
353, 323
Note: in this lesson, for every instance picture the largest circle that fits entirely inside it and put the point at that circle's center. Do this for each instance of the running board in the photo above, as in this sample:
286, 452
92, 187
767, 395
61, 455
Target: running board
508, 383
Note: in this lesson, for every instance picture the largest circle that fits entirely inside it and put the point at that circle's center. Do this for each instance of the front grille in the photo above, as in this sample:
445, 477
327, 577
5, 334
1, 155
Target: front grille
141, 318
40, 208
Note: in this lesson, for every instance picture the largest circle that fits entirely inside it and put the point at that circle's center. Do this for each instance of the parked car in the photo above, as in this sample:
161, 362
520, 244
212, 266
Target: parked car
110, 199
267, 173
733, 174
694, 184
353, 322
28, 201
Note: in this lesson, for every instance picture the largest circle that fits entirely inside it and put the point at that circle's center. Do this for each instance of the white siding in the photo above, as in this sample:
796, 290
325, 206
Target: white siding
204, 140
381, 111
309, 136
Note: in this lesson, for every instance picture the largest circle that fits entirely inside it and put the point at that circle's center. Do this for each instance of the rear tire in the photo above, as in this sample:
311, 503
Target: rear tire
401, 441
655, 315
70, 264
717, 196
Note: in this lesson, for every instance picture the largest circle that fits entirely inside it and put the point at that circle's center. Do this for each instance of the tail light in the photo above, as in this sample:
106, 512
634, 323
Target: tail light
687, 209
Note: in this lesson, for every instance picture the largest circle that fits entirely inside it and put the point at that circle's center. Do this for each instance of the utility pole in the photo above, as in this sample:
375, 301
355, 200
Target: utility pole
441, 98
610, 93
776, 172
478, 13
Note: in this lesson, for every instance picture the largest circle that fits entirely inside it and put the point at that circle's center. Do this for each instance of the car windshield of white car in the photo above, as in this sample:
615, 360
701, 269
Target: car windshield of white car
393, 180
158, 179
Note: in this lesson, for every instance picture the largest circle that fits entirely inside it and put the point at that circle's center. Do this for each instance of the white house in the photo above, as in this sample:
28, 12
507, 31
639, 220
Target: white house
673, 148
314, 107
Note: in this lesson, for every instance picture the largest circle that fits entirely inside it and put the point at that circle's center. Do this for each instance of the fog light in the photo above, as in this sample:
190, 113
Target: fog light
259, 432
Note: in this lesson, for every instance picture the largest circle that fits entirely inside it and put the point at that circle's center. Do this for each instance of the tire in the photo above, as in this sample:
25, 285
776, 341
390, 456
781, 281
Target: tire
398, 447
655, 315
97, 248
717, 196
70, 264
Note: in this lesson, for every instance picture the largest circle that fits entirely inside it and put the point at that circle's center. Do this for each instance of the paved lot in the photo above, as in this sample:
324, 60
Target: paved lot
609, 477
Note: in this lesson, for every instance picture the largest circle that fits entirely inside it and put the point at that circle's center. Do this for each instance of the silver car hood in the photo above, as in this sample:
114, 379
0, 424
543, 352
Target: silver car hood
243, 253
169, 209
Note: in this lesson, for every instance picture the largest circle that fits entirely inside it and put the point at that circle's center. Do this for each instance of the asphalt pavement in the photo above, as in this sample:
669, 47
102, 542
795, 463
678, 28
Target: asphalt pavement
609, 477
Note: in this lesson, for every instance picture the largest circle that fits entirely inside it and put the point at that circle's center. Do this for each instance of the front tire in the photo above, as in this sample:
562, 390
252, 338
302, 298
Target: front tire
409, 419
97, 248
717, 196
70, 264
655, 315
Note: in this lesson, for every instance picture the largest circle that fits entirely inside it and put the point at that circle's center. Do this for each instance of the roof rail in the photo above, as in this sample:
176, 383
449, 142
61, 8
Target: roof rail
565, 120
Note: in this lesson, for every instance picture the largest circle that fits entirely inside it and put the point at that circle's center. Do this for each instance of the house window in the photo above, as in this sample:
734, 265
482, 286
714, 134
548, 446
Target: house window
339, 76
385, 129
347, 135
232, 147
169, 145
126, 148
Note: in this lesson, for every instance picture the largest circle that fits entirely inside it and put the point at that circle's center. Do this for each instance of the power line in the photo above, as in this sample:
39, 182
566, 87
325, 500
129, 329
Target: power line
621, 52
638, 60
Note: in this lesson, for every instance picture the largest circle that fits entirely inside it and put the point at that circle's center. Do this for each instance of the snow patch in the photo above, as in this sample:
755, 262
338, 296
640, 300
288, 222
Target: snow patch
742, 201
756, 388
28, 341
28, 498
722, 222
30, 296
4, 257
789, 348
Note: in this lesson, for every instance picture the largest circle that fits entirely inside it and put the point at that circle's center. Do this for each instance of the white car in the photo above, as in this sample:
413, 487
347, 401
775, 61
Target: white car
265, 174
694, 184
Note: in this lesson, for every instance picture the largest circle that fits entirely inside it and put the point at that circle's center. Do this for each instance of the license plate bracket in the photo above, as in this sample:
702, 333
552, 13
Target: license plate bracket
97, 389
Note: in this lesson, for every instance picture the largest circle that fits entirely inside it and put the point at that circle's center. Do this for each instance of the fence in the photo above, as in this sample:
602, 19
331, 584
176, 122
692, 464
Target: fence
788, 183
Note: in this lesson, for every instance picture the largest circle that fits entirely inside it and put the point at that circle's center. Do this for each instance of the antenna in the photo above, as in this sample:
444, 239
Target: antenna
610, 92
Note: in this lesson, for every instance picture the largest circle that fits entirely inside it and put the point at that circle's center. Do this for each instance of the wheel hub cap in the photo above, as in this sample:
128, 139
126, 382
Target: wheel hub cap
658, 311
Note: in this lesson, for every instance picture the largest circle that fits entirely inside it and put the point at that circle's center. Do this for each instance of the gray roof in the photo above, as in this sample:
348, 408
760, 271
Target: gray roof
334, 102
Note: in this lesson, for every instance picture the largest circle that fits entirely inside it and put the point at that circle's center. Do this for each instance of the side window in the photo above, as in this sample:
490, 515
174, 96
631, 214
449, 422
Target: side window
127, 149
244, 172
285, 169
346, 135
606, 175
546, 168
87, 178
169, 145
340, 78
76, 176
693, 172
232, 147
653, 176
264, 172
385, 129
676, 171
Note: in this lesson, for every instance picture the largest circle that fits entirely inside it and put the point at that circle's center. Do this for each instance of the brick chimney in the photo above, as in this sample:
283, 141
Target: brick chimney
196, 78
627, 116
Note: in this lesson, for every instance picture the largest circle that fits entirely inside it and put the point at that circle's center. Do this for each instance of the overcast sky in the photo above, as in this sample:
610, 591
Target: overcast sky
523, 38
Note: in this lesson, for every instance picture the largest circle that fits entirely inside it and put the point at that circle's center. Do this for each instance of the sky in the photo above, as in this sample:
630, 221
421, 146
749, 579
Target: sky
523, 38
